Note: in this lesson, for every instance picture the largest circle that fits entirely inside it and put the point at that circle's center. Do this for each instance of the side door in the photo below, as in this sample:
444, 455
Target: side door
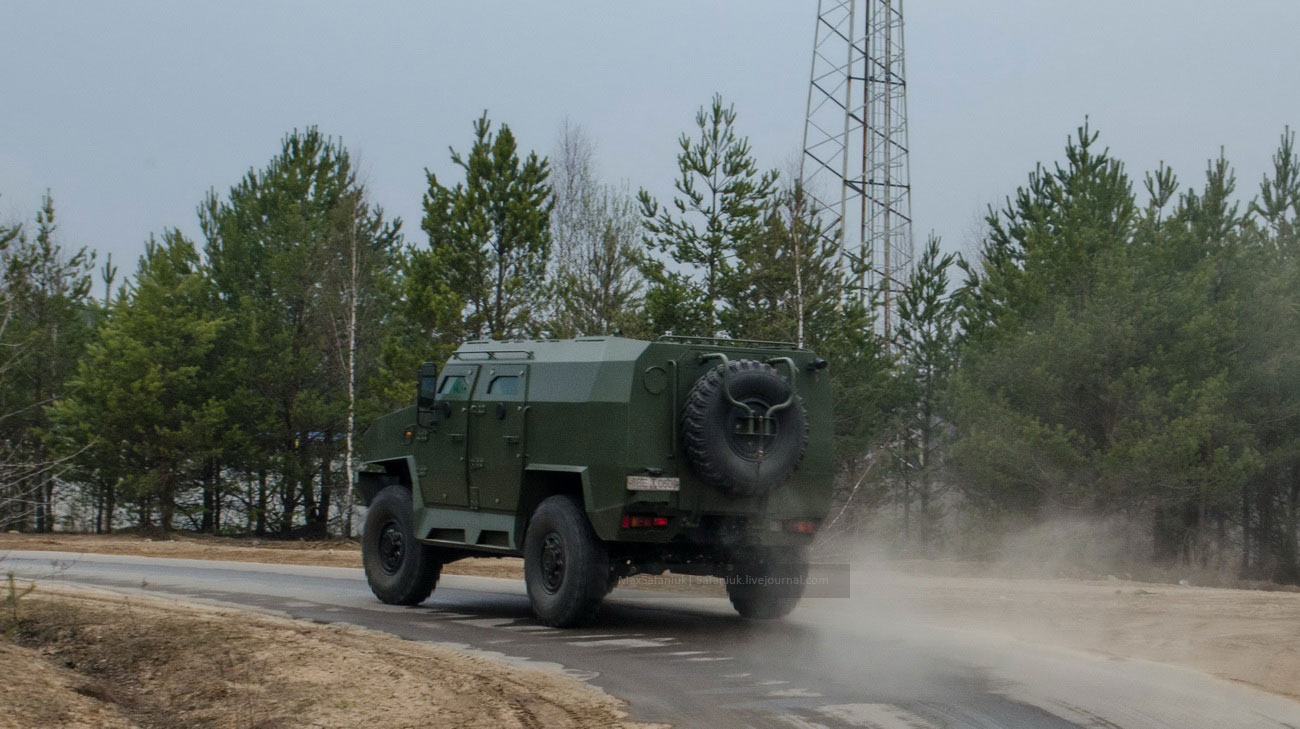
497, 419
443, 470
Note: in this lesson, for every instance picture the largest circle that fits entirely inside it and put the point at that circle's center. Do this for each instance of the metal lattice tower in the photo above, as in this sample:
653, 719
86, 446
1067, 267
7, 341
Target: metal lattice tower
855, 163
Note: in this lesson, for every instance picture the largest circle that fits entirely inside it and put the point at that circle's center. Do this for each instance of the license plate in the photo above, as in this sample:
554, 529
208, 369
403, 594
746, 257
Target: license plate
653, 483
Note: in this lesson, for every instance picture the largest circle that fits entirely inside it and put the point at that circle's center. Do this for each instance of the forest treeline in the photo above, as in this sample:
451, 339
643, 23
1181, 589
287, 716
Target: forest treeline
1115, 349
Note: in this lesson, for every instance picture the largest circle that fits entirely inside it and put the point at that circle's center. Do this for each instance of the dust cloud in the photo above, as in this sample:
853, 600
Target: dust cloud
1057, 612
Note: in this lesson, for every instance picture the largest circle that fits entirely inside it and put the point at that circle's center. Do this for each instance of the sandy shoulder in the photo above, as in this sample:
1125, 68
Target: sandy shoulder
1241, 635
88, 658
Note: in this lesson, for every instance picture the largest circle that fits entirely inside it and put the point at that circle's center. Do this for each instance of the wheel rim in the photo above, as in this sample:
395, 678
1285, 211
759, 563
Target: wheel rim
751, 447
552, 563
392, 548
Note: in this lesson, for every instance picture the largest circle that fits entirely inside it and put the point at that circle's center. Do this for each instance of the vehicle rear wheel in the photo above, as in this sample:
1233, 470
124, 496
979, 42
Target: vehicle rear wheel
767, 586
566, 566
400, 570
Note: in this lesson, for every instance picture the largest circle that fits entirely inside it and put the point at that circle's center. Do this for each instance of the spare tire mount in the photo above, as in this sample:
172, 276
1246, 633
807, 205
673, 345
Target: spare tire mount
755, 424
744, 426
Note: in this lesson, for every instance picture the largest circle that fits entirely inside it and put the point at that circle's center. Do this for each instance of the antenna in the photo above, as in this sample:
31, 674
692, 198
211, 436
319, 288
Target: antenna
855, 162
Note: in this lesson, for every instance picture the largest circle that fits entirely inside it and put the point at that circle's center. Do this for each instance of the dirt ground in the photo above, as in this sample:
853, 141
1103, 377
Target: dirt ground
337, 553
1250, 636
89, 659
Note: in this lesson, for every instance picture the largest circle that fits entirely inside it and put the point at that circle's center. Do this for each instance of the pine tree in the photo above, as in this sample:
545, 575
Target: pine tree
277, 248
1265, 390
141, 405
46, 289
489, 242
1046, 242
1095, 377
1279, 193
19, 476
721, 206
926, 342
784, 284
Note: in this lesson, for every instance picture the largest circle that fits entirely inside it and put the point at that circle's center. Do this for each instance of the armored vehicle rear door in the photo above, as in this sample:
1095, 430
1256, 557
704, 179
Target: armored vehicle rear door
497, 419
442, 459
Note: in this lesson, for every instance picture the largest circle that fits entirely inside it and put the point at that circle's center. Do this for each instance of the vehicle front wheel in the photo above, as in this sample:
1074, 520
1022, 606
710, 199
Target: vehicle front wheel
400, 570
767, 585
566, 566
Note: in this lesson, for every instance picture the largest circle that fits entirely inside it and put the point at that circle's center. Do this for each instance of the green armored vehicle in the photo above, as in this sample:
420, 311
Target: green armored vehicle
599, 458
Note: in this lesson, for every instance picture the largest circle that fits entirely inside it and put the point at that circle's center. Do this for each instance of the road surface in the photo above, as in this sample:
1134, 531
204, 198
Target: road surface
690, 662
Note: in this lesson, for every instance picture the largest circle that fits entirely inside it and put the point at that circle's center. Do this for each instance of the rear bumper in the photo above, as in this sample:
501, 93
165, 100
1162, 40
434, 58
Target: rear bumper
719, 531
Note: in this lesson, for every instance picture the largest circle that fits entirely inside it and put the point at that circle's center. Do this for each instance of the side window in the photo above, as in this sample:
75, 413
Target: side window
454, 386
505, 385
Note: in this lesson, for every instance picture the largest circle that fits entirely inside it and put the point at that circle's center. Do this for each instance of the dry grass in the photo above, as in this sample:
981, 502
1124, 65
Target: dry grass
92, 659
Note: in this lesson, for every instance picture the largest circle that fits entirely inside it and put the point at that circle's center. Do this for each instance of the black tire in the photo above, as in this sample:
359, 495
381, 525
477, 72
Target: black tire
400, 570
766, 586
743, 465
566, 566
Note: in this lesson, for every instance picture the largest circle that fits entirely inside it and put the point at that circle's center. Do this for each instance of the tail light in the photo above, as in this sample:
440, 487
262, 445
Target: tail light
801, 526
638, 521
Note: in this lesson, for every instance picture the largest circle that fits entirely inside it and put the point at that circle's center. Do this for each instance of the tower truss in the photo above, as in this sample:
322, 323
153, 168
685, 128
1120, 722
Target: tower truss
855, 162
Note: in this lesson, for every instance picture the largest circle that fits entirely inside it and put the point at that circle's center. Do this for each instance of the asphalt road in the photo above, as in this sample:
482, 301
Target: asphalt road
690, 662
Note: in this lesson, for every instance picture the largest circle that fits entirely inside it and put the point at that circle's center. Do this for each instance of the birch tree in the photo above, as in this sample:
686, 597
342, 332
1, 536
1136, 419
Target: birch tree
364, 259
596, 283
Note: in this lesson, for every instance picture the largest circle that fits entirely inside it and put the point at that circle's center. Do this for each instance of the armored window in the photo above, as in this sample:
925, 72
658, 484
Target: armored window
454, 385
504, 385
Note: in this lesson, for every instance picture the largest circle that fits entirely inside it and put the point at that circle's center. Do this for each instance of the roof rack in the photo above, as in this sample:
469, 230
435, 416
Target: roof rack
725, 341
495, 354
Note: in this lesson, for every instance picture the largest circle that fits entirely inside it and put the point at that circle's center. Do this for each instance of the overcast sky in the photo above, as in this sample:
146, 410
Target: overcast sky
130, 111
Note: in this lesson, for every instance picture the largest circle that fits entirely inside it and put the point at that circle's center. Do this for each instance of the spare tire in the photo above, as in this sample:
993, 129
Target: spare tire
718, 443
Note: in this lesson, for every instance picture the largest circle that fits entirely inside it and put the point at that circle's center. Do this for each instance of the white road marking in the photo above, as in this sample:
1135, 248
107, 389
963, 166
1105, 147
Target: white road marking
623, 643
798, 722
877, 716
712, 658
487, 622
794, 693
522, 661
